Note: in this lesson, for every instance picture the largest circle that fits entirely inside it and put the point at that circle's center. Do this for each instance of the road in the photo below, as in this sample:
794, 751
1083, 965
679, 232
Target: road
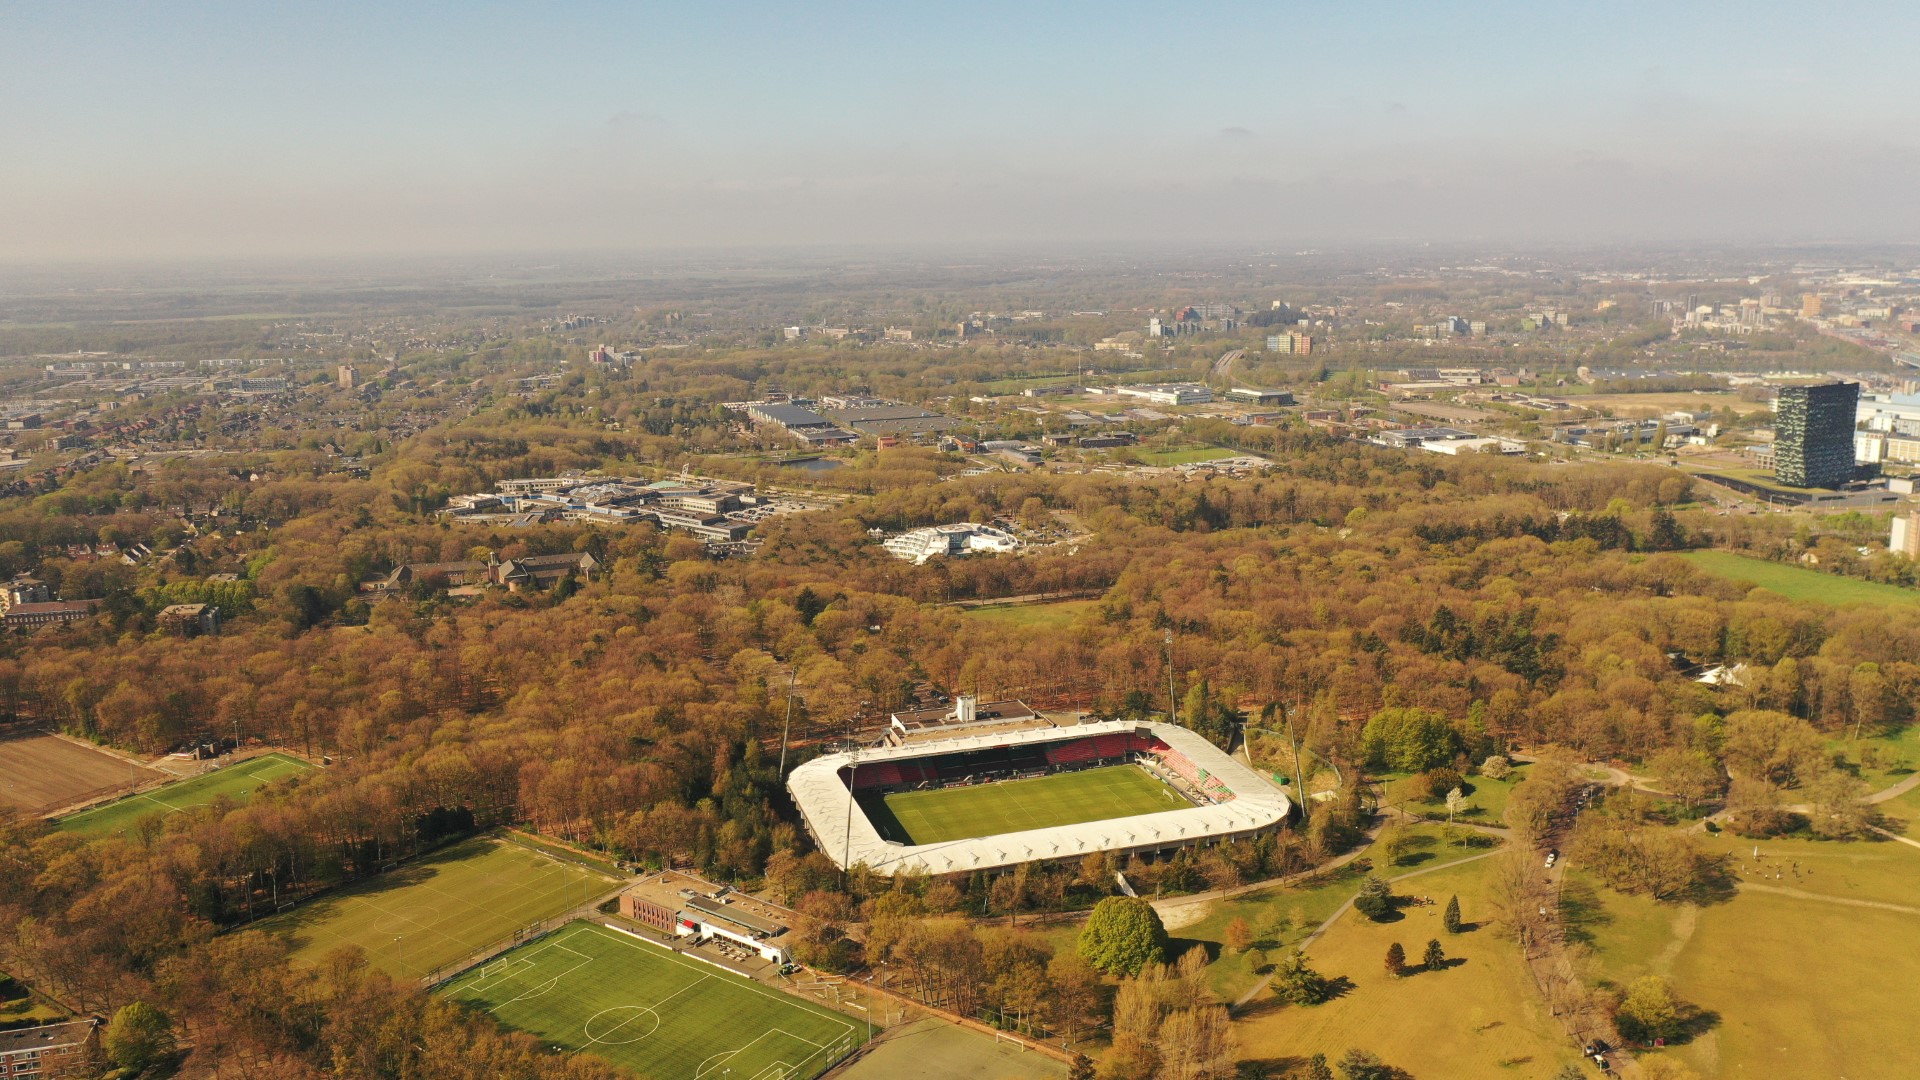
1224, 365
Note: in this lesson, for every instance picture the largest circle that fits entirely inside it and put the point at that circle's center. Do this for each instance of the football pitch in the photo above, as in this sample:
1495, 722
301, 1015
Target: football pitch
236, 782
441, 909
643, 1008
961, 813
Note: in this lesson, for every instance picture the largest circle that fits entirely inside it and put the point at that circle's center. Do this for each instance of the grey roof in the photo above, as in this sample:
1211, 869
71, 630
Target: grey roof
792, 416
822, 798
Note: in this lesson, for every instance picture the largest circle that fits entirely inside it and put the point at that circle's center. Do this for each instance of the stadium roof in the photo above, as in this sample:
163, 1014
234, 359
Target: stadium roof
823, 801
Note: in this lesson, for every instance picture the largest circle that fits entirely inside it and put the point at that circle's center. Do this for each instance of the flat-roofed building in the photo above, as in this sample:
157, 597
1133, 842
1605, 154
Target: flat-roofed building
51, 1051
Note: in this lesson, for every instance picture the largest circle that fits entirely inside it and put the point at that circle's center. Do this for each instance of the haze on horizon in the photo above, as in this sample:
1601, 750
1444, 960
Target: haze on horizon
289, 130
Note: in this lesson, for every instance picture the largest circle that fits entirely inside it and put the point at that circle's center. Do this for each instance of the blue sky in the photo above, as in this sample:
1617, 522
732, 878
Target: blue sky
143, 130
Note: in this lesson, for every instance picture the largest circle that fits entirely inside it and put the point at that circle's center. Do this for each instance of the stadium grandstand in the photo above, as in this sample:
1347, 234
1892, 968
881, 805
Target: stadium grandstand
999, 798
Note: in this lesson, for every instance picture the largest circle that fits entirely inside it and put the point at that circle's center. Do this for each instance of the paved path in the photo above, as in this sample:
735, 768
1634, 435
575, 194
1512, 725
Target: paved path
1896, 790
1802, 894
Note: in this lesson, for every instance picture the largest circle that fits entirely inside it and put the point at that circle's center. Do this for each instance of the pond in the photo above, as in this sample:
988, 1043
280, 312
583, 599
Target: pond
818, 464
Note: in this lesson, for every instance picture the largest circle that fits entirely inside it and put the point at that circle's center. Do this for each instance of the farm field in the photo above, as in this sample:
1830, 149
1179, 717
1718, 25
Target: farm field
1054, 616
39, 773
936, 1049
644, 1008
1480, 1017
1796, 583
957, 813
440, 909
1802, 976
236, 782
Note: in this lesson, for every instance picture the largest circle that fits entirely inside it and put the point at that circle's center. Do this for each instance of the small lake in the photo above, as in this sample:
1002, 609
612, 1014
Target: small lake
813, 464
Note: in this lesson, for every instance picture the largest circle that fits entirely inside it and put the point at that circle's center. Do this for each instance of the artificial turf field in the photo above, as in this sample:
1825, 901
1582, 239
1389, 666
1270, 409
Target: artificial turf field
440, 909
641, 1007
959, 813
236, 782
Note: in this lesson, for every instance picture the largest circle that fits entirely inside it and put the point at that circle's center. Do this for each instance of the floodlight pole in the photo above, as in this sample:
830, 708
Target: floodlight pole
1173, 712
788, 726
853, 769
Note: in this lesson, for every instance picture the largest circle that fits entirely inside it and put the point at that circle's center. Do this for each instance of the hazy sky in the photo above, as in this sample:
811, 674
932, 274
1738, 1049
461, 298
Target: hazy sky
179, 129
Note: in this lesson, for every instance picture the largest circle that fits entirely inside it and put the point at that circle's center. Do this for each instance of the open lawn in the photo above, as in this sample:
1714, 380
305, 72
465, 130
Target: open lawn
41, 773
236, 782
1054, 616
644, 1008
936, 1049
1797, 583
1187, 456
1883, 760
1809, 975
440, 909
1484, 801
1479, 1017
959, 813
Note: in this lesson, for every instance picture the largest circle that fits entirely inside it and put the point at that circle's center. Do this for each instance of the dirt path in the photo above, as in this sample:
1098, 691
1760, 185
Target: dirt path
1802, 894
1896, 790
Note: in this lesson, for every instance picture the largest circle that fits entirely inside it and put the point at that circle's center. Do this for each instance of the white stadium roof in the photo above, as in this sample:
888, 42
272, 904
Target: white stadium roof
823, 801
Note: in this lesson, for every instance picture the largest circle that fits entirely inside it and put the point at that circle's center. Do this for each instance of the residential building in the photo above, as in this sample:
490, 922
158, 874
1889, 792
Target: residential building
1905, 537
1810, 306
62, 1051
189, 620
29, 616
1291, 344
1813, 440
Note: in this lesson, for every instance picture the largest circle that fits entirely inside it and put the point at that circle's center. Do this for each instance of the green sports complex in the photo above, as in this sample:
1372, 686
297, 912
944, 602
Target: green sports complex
1069, 798
237, 782
645, 1008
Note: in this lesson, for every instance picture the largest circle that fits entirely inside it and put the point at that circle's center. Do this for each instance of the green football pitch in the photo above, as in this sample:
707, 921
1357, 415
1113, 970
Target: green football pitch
960, 813
440, 909
236, 782
643, 1008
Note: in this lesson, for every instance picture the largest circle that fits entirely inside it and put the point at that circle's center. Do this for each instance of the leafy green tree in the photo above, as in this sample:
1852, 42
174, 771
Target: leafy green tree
139, 1036
1375, 900
1295, 981
1649, 1011
1360, 1065
1409, 740
1436, 957
1318, 1069
1451, 920
1396, 960
1123, 935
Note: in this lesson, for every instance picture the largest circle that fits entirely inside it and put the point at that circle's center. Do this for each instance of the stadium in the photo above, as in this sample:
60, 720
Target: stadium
980, 802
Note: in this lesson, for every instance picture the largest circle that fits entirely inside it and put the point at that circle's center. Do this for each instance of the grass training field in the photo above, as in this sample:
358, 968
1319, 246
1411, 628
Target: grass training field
236, 782
440, 909
1052, 616
959, 813
644, 1008
41, 773
935, 1049
1189, 456
1796, 583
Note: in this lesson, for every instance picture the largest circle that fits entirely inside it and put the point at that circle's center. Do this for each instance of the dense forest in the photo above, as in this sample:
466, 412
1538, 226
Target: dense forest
1410, 613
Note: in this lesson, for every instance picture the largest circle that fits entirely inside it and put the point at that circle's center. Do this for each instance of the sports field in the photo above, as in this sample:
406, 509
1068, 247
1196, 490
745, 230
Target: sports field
236, 782
440, 909
644, 1008
959, 813
1796, 583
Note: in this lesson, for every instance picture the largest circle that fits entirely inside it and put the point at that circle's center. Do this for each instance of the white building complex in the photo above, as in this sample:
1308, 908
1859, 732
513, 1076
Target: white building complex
941, 541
